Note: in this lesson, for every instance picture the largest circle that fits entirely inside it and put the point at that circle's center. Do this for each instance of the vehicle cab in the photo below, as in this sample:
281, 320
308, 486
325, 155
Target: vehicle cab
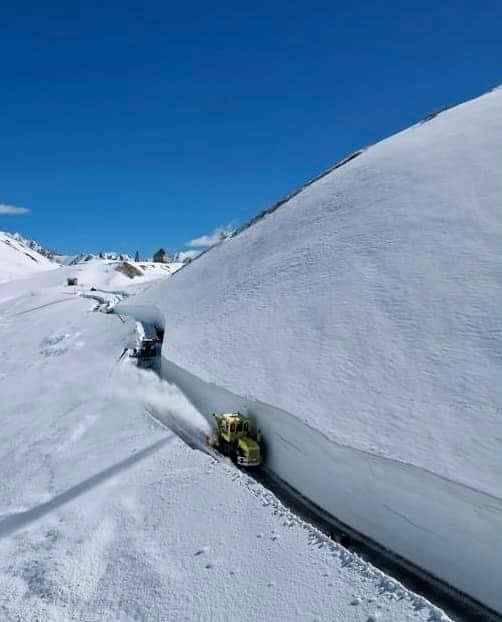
235, 439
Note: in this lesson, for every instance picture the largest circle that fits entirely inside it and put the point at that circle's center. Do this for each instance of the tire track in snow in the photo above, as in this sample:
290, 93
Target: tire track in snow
48, 304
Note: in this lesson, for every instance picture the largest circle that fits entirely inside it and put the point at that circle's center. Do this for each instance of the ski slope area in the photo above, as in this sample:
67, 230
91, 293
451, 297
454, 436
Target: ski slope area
106, 515
367, 309
18, 260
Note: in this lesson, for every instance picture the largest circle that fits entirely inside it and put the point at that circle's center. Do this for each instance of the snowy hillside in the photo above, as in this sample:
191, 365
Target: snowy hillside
141, 270
364, 314
108, 278
148, 269
121, 272
106, 515
20, 258
83, 257
36, 246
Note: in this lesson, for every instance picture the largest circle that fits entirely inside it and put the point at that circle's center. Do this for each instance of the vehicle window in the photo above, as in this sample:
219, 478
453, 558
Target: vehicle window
239, 426
246, 427
232, 427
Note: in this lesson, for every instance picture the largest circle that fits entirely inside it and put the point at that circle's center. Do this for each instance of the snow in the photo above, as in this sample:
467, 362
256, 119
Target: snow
151, 269
17, 259
107, 276
366, 312
121, 272
106, 515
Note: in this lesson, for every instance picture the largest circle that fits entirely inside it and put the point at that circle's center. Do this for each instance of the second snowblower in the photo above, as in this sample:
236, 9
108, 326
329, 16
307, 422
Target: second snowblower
146, 352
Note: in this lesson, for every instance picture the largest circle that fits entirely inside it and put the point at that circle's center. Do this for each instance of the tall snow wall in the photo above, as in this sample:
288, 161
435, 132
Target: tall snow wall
366, 311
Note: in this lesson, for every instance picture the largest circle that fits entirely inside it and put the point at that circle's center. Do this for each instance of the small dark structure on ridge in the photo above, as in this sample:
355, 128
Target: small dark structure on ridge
160, 256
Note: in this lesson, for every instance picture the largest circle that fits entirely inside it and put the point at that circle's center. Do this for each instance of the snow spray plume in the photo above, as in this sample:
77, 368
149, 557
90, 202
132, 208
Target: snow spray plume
164, 402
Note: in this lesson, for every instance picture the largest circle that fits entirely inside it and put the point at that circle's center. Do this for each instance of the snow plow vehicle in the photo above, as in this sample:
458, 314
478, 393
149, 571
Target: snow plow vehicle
146, 352
235, 440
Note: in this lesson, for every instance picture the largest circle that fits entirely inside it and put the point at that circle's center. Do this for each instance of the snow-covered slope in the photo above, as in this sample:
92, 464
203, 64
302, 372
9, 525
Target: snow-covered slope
148, 269
36, 246
112, 279
18, 259
141, 270
368, 307
84, 257
105, 515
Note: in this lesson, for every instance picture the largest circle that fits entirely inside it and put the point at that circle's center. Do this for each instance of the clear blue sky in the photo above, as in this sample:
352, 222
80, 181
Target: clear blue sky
130, 125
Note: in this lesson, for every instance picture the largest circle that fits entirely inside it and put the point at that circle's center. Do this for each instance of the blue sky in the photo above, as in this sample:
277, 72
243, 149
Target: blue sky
128, 125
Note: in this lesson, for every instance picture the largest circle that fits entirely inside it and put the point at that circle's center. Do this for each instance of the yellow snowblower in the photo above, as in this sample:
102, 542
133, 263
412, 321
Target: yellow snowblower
235, 439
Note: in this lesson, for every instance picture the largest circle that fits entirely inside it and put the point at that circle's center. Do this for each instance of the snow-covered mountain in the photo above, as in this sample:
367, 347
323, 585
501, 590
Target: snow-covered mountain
360, 323
20, 257
36, 246
171, 265
125, 270
83, 257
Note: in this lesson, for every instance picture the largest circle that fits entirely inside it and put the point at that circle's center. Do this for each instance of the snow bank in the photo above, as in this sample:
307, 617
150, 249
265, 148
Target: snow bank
368, 307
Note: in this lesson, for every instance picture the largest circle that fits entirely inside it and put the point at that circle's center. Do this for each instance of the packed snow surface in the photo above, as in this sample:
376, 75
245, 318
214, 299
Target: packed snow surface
17, 259
367, 307
106, 515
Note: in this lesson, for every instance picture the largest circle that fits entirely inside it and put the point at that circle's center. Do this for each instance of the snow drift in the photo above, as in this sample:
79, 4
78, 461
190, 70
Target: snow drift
368, 307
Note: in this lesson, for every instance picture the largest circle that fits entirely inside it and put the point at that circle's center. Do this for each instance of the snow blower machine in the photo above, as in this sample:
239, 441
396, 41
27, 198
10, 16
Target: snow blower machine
145, 353
235, 440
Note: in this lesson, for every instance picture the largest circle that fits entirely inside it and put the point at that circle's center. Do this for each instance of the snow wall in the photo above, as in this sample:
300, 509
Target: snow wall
360, 323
